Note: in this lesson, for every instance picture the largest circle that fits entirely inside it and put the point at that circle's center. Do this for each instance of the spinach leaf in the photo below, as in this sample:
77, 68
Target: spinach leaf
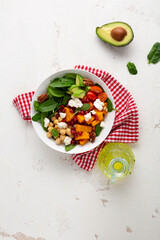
85, 107
70, 147
62, 82
37, 117
132, 68
36, 105
154, 54
56, 92
43, 115
55, 133
70, 75
96, 84
47, 106
110, 106
65, 99
98, 129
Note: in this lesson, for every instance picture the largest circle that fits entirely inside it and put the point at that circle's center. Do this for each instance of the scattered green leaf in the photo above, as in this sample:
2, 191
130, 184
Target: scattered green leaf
62, 82
85, 107
70, 75
56, 92
43, 115
98, 129
55, 133
132, 68
36, 105
36, 117
110, 106
65, 99
70, 147
154, 54
47, 106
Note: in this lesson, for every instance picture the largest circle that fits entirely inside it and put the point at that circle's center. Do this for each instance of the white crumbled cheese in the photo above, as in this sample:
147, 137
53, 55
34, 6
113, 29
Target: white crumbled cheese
98, 104
87, 117
67, 140
93, 112
76, 102
46, 122
62, 115
62, 125
102, 124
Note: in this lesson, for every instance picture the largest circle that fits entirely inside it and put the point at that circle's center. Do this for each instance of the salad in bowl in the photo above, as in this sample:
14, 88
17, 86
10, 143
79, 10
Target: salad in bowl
72, 110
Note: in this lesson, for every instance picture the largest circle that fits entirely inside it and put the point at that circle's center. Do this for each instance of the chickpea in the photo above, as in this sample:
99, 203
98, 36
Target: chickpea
59, 119
56, 121
62, 137
58, 141
56, 126
50, 129
49, 135
62, 131
53, 118
50, 124
68, 131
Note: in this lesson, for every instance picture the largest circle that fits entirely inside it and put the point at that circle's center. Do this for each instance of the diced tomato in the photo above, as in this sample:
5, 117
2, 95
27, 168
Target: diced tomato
96, 89
91, 96
102, 96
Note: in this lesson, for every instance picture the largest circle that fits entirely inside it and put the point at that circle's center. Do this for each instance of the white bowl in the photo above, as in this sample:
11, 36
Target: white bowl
109, 119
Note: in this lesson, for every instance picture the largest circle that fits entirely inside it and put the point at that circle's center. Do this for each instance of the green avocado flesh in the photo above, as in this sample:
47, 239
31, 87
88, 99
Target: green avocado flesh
104, 33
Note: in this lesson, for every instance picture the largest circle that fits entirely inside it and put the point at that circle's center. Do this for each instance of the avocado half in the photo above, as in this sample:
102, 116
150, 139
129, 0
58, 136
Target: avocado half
116, 33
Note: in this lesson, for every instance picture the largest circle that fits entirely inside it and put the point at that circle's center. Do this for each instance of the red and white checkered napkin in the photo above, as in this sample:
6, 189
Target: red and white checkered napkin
126, 125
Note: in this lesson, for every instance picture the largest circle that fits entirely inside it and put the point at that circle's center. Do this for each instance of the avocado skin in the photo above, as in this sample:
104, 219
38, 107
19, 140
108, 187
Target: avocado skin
123, 45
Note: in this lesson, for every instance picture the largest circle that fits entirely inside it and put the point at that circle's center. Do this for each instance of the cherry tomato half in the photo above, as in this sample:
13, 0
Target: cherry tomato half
96, 89
91, 96
102, 96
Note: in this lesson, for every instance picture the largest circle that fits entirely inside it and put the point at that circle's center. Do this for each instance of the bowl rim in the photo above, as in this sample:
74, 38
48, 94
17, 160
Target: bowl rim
33, 111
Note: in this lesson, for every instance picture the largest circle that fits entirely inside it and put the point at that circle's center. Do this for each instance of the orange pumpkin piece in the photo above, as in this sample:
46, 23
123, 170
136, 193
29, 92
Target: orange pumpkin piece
90, 120
80, 118
83, 142
83, 128
91, 106
99, 114
95, 122
69, 115
84, 135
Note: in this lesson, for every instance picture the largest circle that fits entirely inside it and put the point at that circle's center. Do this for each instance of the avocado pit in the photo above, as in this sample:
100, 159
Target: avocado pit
118, 33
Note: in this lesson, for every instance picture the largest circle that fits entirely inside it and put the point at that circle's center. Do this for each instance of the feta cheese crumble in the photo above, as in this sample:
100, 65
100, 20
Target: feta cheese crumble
62, 125
46, 122
75, 102
102, 124
87, 117
93, 112
67, 140
62, 115
98, 104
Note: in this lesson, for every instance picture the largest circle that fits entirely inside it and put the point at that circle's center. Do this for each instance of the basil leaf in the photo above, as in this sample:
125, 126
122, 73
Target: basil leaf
47, 106
37, 117
96, 84
154, 54
70, 75
63, 82
55, 133
36, 105
98, 129
65, 99
56, 92
43, 115
132, 68
110, 106
85, 107
70, 147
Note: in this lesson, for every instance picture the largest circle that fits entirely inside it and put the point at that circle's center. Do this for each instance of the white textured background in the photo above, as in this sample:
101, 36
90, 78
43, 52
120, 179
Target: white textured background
43, 194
